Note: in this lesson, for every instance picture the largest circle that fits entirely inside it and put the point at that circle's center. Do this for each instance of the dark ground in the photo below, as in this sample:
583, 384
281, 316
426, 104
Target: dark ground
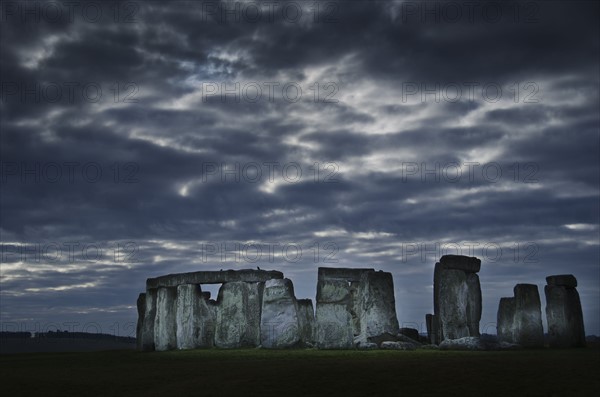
254, 372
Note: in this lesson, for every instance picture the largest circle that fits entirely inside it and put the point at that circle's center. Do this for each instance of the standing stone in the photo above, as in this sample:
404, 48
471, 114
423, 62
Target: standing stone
528, 329
563, 312
333, 316
429, 325
334, 326
376, 306
141, 309
147, 332
279, 327
165, 329
306, 321
195, 323
456, 297
453, 304
473, 303
505, 320
238, 314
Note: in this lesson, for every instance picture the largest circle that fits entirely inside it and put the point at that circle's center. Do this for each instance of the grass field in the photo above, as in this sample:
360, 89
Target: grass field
255, 372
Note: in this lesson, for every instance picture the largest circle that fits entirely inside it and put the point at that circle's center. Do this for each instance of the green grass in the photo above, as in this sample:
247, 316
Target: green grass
257, 372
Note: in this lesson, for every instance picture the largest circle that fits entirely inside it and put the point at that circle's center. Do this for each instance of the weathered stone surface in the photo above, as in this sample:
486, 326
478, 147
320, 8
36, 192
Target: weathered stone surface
141, 309
505, 320
147, 332
411, 333
195, 322
367, 346
340, 273
165, 329
473, 303
429, 326
466, 343
280, 327
565, 317
398, 346
563, 280
375, 305
404, 338
238, 315
378, 340
468, 264
331, 291
456, 298
306, 321
453, 297
212, 277
528, 330
334, 326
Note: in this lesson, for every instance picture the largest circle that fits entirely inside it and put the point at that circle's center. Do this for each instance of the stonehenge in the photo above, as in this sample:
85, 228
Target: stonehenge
456, 299
355, 308
174, 312
257, 308
563, 312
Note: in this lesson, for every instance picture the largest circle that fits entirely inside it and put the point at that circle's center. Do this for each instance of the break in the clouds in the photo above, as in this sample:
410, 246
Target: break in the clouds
146, 138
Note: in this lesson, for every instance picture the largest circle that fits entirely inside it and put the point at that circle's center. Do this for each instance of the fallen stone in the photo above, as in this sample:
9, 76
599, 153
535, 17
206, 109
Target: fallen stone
279, 326
528, 330
404, 338
238, 315
165, 329
468, 264
398, 346
378, 339
411, 333
367, 346
563, 280
429, 347
466, 343
565, 317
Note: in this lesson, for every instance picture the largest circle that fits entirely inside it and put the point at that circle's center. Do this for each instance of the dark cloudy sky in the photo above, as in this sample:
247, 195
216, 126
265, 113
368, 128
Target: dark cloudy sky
145, 138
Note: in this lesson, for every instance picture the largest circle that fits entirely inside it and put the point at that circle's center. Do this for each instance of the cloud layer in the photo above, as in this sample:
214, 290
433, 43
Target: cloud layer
146, 138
